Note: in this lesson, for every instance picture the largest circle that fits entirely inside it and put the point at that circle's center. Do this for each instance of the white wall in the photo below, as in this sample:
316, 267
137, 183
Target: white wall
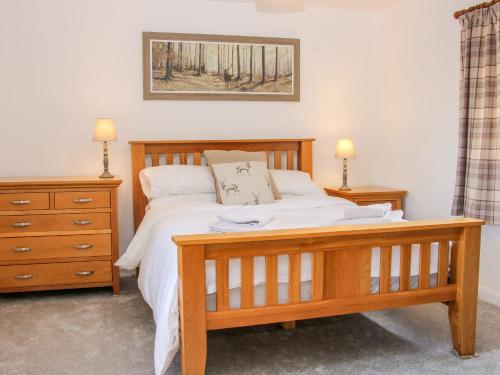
64, 63
417, 143
387, 78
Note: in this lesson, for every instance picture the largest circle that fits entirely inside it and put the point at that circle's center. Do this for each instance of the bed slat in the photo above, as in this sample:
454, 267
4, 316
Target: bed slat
425, 264
222, 282
247, 298
443, 262
169, 158
405, 266
385, 269
277, 159
366, 277
289, 160
155, 160
454, 262
197, 158
183, 158
294, 263
271, 280
318, 270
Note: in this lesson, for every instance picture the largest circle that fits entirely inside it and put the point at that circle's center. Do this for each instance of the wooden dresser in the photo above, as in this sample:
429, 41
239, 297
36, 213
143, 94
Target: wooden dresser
58, 233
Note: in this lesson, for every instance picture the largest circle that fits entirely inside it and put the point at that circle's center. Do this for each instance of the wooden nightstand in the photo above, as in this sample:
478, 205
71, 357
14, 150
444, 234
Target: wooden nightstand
58, 233
366, 195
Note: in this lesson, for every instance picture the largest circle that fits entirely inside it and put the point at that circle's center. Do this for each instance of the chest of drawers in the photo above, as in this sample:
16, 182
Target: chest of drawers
58, 233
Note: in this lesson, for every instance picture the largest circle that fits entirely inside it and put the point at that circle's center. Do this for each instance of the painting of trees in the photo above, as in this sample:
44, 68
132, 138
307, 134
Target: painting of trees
181, 65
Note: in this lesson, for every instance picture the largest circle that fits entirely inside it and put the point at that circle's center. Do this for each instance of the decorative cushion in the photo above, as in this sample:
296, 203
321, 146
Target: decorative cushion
214, 157
243, 183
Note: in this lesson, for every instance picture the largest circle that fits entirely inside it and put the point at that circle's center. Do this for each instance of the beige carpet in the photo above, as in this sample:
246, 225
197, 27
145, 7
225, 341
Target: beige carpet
92, 332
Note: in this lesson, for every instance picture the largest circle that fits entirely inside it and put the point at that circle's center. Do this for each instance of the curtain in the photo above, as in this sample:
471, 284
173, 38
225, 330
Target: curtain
477, 188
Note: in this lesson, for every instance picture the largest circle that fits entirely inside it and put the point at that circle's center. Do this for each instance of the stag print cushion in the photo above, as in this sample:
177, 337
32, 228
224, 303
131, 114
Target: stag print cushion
243, 183
214, 157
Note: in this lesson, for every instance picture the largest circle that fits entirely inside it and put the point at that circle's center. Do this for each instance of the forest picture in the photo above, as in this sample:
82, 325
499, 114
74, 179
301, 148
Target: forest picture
186, 66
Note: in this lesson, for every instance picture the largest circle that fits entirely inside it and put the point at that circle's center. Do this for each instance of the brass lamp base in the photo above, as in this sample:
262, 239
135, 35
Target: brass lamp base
344, 186
106, 174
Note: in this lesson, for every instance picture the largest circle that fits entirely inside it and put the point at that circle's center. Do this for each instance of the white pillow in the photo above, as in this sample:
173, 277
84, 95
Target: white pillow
176, 180
294, 182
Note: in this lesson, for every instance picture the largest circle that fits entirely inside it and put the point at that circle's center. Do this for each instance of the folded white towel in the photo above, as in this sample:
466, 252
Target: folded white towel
363, 212
225, 227
243, 217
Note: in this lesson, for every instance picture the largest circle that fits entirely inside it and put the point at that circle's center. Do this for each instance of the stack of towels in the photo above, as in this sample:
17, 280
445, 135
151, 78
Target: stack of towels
367, 212
241, 222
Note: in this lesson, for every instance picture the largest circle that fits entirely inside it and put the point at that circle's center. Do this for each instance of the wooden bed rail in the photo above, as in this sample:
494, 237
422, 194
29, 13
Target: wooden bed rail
341, 282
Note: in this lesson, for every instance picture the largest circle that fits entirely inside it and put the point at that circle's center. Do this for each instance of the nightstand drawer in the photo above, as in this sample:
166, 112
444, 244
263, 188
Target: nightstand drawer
24, 201
83, 199
30, 275
59, 222
21, 249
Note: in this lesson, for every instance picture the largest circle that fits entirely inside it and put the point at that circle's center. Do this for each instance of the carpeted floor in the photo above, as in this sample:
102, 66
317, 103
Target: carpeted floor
92, 332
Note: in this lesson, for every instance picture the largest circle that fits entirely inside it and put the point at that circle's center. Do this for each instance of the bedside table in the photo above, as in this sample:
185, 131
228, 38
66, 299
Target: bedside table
58, 233
366, 195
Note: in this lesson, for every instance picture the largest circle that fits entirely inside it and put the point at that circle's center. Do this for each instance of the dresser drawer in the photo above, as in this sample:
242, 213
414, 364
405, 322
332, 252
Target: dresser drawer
82, 199
24, 201
32, 275
52, 247
58, 222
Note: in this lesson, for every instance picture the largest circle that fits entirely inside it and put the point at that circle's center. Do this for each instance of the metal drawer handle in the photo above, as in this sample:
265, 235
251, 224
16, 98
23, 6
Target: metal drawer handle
83, 246
84, 273
27, 276
83, 200
82, 222
21, 201
22, 249
21, 225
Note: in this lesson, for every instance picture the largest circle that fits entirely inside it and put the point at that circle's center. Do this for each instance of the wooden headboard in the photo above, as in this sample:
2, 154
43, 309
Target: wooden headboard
294, 154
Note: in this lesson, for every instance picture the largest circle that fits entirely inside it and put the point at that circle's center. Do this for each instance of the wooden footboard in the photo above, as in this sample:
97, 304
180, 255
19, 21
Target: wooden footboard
341, 277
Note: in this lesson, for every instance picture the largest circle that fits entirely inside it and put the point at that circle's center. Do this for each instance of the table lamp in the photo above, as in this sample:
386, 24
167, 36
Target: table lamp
344, 150
105, 132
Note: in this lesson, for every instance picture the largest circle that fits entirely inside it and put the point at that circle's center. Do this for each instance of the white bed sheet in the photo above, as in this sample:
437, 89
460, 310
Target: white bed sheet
153, 248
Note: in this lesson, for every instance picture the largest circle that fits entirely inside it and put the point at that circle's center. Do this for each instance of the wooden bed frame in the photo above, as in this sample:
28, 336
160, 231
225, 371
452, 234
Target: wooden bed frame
341, 260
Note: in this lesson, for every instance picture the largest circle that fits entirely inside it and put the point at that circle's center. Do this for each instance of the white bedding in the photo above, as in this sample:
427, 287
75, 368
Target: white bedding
153, 248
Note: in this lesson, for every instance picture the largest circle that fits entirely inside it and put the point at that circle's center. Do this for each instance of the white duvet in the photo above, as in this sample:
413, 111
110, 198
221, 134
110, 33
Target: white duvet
154, 250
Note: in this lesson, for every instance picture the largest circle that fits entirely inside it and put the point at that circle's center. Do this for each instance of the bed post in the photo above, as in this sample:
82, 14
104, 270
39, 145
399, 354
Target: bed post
192, 294
305, 157
138, 164
462, 312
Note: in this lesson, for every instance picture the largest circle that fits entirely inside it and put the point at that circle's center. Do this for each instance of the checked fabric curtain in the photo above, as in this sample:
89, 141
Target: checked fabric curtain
477, 188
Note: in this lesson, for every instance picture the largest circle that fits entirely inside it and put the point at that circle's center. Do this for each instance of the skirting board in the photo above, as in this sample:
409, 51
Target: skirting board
489, 295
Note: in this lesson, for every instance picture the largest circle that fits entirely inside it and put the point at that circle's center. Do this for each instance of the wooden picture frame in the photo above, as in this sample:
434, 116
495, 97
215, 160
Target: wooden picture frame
228, 68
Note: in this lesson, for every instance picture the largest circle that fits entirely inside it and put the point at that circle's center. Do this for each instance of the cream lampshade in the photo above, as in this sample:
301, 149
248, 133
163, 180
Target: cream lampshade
344, 150
105, 132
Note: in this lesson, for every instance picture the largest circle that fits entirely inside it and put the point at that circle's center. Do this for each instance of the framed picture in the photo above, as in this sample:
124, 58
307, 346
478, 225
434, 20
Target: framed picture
220, 67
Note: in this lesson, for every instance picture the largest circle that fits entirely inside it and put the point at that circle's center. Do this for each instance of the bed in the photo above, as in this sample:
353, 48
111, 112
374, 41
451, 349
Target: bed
283, 275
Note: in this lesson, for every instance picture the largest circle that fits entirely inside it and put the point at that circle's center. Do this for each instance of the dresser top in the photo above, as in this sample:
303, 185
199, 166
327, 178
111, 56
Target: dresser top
27, 182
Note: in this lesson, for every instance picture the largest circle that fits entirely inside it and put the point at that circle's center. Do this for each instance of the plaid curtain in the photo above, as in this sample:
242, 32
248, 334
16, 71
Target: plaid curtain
477, 188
